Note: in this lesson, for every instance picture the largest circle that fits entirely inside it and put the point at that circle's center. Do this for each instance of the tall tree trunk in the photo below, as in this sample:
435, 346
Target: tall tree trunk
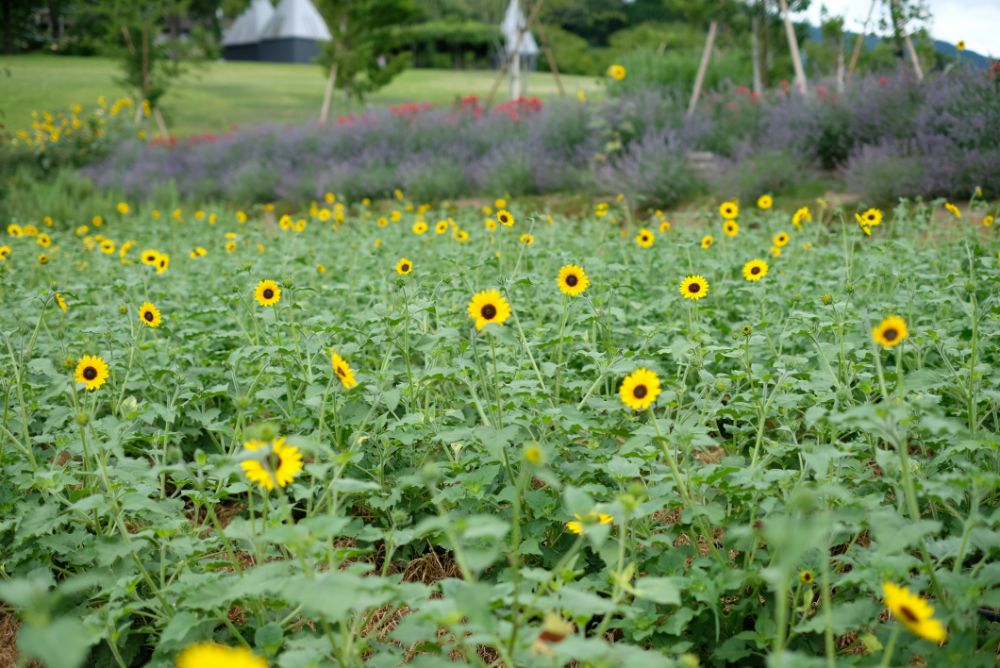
758, 79
331, 83
793, 46
702, 67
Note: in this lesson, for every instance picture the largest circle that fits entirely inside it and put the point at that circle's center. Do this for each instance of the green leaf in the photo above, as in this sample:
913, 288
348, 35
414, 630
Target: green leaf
658, 590
64, 643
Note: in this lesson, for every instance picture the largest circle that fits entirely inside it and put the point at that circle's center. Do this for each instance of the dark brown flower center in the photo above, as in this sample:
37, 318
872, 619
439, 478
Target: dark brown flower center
890, 334
268, 293
404, 268
572, 280
503, 219
489, 311
908, 614
90, 373
640, 391
340, 371
273, 461
755, 270
694, 288
148, 315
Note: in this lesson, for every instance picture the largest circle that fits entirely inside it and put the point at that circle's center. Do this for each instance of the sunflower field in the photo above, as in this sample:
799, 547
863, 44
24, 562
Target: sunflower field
389, 433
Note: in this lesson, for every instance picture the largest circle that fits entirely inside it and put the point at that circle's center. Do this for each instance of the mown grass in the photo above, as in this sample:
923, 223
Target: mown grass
789, 468
222, 94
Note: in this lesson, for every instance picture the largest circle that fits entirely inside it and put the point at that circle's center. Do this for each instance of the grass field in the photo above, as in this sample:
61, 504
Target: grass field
338, 439
222, 94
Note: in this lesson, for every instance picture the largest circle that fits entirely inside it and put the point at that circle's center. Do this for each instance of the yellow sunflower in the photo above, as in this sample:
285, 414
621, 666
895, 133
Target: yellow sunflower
43, 258
123, 208
108, 247
500, 203
754, 270
487, 307
729, 210
890, 332
988, 221
91, 371
765, 202
61, 303
639, 389
505, 217
162, 263
694, 287
780, 239
915, 613
419, 228
645, 238
664, 227
870, 218
267, 293
4, 252
382, 221
44, 240
527, 239
801, 215
275, 464
150, 257
212, 655
707, 241
952, 209
15, 230
616, 72
807, 577
731, 228
775, 251
441, 227
573, 280
403, 267
150, 315
343, 370
579, 525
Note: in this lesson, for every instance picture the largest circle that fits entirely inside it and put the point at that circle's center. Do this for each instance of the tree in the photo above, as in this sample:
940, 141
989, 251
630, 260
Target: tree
356, 59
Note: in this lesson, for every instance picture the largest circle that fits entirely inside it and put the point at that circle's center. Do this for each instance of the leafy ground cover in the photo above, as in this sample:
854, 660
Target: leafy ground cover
394, 434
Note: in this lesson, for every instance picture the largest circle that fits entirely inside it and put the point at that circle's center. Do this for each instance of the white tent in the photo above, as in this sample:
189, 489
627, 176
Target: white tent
293, 33
517, 37
249, 26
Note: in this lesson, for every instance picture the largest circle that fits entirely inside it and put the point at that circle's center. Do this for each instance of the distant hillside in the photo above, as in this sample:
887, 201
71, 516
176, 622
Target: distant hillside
977, 60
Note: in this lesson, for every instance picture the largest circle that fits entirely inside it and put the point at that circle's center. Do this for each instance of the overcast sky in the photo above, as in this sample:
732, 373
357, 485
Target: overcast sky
975, 21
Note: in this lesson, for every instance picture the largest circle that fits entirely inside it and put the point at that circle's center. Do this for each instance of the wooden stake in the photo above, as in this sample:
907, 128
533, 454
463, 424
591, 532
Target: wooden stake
793, 46
702, 67
860, 40
913, 56
160, 124
331, 83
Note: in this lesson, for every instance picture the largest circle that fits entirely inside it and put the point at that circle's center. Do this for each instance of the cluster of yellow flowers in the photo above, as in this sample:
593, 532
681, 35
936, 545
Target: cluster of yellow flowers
77, 124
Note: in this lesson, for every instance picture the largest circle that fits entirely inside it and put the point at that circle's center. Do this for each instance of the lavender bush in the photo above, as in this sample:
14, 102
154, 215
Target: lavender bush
887, 137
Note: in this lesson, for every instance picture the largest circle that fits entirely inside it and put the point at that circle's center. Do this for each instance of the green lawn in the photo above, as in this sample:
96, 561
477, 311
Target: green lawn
224, 94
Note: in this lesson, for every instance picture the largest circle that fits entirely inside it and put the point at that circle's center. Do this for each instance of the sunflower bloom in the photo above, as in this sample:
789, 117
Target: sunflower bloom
890, 332
150, 257
579, 525
277, 464
343, 370
802, 214
707, 241
765, 202
952, 209
729, 210
807, 577
664, 227
212, 655
91, 371
4, 252
487, 307
267, 293
419, 228
441, 227
573, 280
616, 72
780, 239
505, 218
645, 238
988, 221
754, 270
639, 389
162, 263
61, 303
915, 613
149, 315
403, 267
527, 239
694, 287
731, 228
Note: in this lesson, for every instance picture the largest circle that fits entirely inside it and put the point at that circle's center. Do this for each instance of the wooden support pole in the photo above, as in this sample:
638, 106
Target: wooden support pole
517, 50
793, 46
859, 42
913, 56
702, 67
331, 83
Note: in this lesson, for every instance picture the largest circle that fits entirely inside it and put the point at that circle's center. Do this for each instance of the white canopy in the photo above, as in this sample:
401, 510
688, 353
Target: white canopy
296, 19
247, 28
514, 22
